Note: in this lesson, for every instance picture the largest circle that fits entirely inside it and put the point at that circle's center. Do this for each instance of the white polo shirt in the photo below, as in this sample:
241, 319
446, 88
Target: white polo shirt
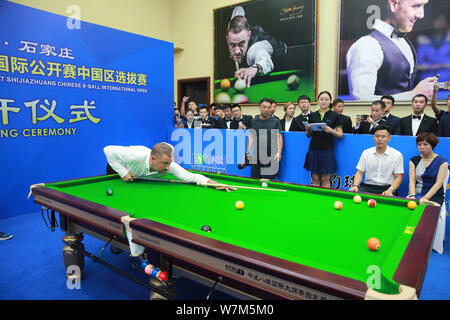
380, 168
136, 159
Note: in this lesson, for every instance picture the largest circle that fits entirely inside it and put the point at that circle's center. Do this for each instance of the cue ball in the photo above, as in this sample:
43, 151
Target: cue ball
373, 244
240, 85
372, 203
206, 228
412, 205
109, 191
338, 205
239, 205
293, 82
357, 199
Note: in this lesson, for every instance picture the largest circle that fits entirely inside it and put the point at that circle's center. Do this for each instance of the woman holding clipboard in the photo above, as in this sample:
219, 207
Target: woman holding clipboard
323, 126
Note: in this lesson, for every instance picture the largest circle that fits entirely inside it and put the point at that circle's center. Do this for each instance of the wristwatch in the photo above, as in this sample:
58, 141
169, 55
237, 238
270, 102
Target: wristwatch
258, 67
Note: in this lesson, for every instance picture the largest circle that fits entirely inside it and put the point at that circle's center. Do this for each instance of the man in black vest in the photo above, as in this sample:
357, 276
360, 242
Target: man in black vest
255, 51
384, 62
418, 122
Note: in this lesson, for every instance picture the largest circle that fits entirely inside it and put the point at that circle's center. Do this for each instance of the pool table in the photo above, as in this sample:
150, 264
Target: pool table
288, 242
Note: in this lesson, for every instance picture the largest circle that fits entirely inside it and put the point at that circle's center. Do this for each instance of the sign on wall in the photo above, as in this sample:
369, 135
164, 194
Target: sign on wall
69, 88
265, 49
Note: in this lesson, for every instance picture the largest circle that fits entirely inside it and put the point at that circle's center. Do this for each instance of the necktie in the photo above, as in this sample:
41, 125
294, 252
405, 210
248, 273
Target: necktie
417, 117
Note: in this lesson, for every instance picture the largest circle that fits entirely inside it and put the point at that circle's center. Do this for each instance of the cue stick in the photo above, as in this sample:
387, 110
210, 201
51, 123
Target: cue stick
203, 184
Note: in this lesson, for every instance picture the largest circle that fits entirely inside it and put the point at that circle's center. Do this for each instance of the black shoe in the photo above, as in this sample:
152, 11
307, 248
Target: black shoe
5, 236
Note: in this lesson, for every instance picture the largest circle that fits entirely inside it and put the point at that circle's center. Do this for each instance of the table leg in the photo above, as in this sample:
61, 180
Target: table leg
73, 260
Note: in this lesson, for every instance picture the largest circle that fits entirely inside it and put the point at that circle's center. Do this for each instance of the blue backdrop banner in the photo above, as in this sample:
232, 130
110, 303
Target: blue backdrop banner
221, 151
69, 88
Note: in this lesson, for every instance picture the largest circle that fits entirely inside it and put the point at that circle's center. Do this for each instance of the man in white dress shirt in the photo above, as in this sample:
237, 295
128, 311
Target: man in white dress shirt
384, 62
382, 166
140, 161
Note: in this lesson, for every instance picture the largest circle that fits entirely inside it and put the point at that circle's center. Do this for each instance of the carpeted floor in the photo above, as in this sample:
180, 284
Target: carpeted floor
32, 268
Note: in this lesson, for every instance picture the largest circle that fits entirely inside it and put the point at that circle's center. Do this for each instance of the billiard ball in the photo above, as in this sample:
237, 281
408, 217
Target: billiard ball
412, 205
163, 276
338, 205
373, 244
239, 205
240, 85
357, 199
225, 84
240, 98
293, 82
206, 228
223, 97
372, 203
109, 191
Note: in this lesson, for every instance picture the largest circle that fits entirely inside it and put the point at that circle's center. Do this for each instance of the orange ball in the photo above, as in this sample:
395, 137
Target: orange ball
239, 205
373, 244
338, 205
225, 84
412, 205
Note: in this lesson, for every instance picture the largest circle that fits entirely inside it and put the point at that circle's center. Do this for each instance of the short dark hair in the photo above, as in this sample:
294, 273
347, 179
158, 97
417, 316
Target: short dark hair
235, 105
265, 100
389, 97
225, 106
379, 103
336, 101
429, 137
304, 97
420, 95
382, 127
203, 107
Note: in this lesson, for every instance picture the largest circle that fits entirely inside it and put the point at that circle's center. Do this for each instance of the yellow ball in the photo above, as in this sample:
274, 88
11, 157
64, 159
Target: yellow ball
239, 205
412, 205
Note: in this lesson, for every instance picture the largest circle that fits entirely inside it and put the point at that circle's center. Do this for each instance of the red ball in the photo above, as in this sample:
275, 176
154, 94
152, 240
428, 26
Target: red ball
372, 203
163, 276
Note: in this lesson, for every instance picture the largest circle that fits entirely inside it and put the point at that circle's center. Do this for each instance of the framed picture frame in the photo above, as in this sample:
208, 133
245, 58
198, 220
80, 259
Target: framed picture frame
391, 49
265, 49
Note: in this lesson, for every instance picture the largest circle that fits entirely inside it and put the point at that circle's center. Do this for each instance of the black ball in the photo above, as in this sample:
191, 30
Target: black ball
206, 228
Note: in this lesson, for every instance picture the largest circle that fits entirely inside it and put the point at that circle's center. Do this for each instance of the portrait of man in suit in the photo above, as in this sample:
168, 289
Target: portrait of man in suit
418, 121
385, 61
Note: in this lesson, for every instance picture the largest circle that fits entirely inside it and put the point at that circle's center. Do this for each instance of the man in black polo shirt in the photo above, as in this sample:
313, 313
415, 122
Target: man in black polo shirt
267, 141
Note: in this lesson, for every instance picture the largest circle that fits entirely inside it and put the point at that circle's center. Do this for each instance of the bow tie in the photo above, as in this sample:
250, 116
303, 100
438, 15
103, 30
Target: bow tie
397, 34
384, 118
417, 117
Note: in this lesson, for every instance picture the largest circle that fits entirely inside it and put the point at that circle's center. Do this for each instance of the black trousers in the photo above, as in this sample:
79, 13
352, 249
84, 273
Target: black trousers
370, 188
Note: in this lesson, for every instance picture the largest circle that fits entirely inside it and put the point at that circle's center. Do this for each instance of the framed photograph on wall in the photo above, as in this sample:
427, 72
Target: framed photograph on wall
265, 49
391, 47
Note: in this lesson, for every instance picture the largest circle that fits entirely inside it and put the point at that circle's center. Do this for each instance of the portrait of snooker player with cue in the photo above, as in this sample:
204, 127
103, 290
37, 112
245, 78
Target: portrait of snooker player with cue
264, 48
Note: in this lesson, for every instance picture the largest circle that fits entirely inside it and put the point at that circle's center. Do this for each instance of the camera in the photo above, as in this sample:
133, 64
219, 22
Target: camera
364, 117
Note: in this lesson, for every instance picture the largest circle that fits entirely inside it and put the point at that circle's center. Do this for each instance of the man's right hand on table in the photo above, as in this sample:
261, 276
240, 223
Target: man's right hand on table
128, 177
